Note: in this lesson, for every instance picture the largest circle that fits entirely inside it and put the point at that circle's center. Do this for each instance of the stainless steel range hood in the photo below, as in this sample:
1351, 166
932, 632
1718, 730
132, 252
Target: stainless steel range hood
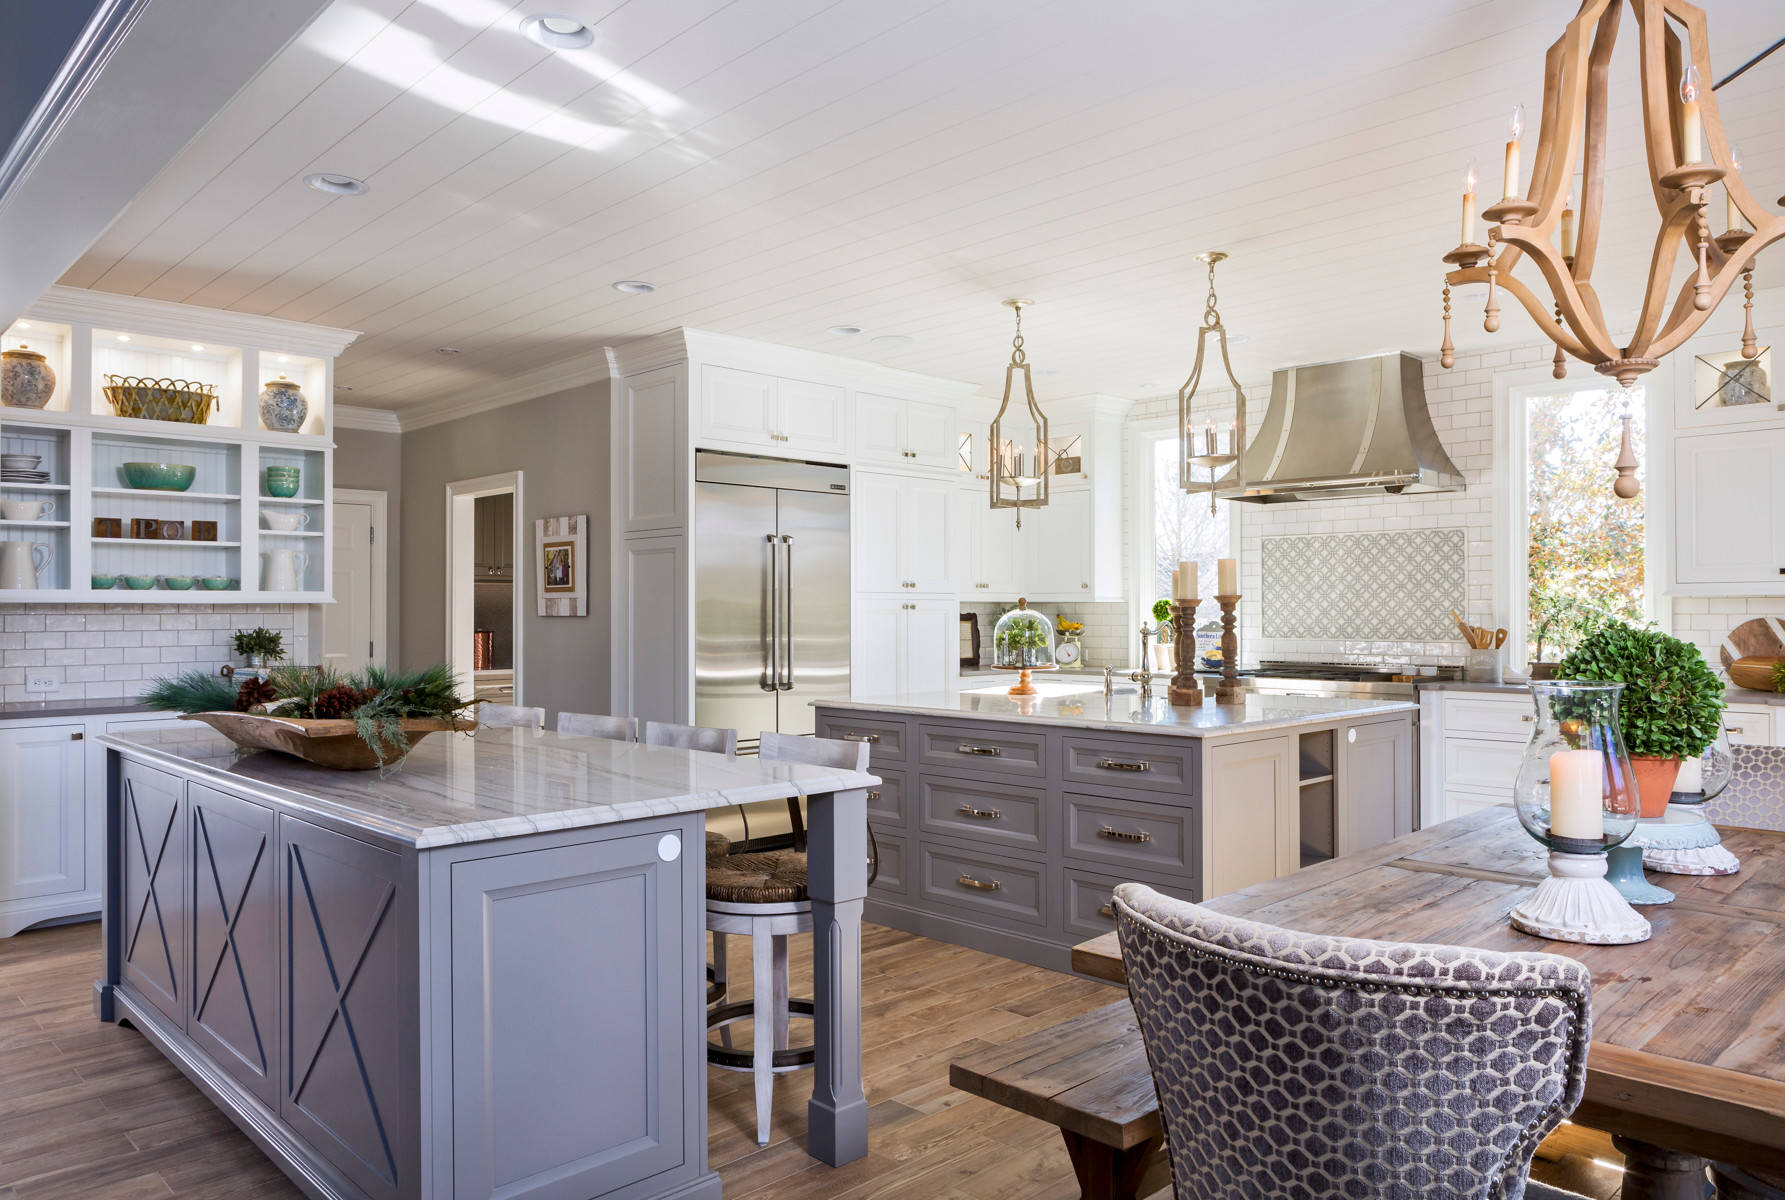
1341, 430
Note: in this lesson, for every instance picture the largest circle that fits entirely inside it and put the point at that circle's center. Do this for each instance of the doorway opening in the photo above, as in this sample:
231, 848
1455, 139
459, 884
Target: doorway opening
484, 571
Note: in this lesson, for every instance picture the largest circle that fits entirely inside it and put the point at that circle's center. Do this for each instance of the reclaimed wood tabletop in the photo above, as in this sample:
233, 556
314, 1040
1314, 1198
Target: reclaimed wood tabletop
1688, 1044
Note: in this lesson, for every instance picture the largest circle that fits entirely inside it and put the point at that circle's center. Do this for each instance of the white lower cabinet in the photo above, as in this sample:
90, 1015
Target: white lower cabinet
904, 646
1751, 725
1471, 744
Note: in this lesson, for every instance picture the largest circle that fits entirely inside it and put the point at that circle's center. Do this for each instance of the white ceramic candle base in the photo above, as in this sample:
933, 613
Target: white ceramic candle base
1683, 842
1576, 904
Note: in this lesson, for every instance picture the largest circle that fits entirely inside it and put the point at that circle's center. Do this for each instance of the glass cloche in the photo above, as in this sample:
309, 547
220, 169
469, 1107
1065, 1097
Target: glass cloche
1023, 640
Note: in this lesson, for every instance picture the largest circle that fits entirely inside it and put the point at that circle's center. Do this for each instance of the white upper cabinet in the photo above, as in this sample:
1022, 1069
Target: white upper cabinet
750, 408
1056, 547
901, 534
1729, 514
895, 432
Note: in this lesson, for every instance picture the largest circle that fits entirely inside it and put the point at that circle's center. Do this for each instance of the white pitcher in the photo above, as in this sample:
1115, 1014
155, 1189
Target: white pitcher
20, 564
282, 570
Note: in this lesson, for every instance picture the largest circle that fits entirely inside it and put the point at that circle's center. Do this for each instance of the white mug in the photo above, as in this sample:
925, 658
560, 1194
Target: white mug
20, 564
27, 510
286, 522
283, 570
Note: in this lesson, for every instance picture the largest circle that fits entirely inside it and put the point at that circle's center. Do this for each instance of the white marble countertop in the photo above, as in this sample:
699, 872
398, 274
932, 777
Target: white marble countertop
1088, 709
455, 788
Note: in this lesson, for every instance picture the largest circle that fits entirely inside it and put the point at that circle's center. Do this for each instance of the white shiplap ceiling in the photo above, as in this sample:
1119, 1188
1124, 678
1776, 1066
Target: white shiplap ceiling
777, 167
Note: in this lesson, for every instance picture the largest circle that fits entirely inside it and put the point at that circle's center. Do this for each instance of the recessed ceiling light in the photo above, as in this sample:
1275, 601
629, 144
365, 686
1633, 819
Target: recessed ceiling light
336, 185
891, 340
446, 350
24, 324
197, 349
555, 31
635, 287
123, 337
844, 330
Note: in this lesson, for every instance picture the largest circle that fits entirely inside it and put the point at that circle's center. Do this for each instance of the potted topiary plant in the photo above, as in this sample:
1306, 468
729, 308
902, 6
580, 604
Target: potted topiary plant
1671, 708
1162, 654
260, 646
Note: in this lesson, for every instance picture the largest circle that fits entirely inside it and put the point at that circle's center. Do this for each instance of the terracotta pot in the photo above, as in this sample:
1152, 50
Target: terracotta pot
1654, 782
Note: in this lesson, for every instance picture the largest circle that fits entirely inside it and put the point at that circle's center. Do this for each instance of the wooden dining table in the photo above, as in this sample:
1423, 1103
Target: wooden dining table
1687, 1061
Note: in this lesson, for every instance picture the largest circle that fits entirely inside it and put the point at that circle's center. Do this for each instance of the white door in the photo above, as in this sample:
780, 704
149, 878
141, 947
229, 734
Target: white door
879, 429
737, 406
924, 536
874, 535
811, 416
42, 803
931, 649
1731, 490
353, 626
876, 655
929, 434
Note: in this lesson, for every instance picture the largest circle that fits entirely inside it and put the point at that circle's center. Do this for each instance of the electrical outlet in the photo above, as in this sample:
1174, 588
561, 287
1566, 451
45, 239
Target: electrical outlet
41, 683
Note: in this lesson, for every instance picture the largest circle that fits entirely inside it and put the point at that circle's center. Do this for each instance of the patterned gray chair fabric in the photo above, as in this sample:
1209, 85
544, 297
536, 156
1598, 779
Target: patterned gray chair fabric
1755, 797
1290, 1064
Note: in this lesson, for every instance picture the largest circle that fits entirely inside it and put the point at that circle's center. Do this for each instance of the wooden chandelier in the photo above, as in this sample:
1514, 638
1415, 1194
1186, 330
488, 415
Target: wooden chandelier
1573, 132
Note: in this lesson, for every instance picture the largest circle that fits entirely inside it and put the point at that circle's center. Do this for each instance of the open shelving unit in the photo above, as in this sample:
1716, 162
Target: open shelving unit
84, 444
1316, 786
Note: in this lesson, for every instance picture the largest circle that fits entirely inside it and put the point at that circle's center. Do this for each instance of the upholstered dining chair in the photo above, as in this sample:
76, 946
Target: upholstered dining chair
598, 725
510, 716
763, 896
1291, 1064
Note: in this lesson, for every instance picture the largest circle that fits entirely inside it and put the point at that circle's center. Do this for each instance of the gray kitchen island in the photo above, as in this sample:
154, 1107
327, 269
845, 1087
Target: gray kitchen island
1004, 823
482, 974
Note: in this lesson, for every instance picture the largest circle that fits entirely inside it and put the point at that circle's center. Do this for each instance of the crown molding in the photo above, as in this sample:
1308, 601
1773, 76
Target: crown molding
163, 318
544, 380
373, 420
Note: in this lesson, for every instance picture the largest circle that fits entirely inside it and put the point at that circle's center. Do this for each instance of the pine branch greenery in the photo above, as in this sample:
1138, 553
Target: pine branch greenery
191, 692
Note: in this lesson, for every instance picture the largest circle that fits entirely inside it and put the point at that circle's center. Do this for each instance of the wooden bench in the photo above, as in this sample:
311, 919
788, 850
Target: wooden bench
1090, 1077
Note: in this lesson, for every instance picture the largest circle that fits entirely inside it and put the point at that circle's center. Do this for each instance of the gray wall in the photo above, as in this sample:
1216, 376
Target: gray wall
559, 443
373, 462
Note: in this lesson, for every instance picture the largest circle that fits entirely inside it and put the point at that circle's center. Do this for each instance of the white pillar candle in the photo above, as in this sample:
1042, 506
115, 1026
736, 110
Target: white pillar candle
1468, 237
1227, 577
1733, 213
1577, 795
1190, 585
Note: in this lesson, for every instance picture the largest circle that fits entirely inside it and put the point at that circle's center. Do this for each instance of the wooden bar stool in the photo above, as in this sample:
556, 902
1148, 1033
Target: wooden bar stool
763, 896
711, 741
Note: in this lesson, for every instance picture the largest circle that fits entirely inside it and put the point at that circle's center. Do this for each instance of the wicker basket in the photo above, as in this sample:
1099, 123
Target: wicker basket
160, 399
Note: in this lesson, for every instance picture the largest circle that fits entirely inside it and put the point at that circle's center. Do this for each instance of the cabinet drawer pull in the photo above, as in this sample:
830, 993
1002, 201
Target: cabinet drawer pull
987, 751
873, 795
1108, 910
1528, 719
1117, 764
1726, 729
979, 885
869, 738
1117, 835
77, 737
983, 814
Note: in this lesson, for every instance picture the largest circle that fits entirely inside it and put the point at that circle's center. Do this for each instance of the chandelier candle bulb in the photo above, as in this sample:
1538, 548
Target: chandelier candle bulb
1691, 128
1517, 127
1733, 214
1568, 229
1468, 205
1577, 795
1227, 577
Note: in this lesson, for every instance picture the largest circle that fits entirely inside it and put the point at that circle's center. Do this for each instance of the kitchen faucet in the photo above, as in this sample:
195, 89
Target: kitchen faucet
1144, 676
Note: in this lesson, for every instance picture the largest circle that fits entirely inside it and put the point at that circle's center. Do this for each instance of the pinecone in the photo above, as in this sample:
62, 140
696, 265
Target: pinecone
336, 703
253, 693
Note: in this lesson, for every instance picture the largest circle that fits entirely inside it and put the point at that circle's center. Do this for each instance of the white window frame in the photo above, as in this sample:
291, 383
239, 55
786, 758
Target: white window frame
1510, 478
1143, 434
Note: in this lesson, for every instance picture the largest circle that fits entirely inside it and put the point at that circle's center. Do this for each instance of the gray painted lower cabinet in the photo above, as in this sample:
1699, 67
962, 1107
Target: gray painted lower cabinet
1011, 838
518, 1018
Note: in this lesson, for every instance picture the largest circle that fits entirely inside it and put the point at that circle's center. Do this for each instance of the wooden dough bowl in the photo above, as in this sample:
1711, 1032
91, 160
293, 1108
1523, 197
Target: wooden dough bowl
335, 744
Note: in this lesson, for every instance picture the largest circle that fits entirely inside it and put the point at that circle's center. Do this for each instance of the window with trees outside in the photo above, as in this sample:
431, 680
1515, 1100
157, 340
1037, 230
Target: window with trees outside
1585, 551
1183, 529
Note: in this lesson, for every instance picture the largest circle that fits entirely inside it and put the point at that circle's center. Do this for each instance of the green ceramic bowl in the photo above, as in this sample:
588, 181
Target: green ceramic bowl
179, 583
102, 582
139, 583
283, 481
215, 583
161, 477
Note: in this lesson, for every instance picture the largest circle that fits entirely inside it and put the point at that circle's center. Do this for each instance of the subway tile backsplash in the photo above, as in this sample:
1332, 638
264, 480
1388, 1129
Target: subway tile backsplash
109, 651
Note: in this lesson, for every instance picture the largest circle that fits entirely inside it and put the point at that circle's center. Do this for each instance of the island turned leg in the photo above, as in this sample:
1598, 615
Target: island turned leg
837, 880
1654, 1173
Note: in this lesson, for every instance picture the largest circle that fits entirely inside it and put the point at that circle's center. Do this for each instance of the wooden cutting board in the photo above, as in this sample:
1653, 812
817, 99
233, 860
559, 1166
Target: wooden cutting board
1763, 637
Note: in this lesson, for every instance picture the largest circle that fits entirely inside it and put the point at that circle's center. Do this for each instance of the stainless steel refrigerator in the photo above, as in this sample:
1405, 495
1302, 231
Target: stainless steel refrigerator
771, 584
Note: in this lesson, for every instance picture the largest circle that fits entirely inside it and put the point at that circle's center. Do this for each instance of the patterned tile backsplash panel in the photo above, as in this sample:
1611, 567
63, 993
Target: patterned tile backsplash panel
1398, 586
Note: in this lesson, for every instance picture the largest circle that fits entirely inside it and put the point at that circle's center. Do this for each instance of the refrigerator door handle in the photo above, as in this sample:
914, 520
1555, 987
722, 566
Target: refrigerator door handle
771, 629
786, 684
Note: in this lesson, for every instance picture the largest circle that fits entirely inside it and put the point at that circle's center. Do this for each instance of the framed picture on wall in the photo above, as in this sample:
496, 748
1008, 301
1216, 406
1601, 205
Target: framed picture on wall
562, 573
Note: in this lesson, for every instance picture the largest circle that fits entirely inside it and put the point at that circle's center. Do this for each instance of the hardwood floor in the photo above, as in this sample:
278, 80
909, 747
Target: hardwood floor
92, 1112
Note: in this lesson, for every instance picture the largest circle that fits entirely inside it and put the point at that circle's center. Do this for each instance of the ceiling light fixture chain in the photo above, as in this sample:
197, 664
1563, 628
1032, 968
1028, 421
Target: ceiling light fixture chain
1203, 450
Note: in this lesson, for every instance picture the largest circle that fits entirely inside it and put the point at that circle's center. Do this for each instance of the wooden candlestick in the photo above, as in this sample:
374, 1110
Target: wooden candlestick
1229, 691
1184, 687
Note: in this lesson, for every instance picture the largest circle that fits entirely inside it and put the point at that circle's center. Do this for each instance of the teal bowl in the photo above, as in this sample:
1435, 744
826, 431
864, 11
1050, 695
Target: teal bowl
139, 583
103, 582
215, 583
160, 477
282, 482
179, 583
